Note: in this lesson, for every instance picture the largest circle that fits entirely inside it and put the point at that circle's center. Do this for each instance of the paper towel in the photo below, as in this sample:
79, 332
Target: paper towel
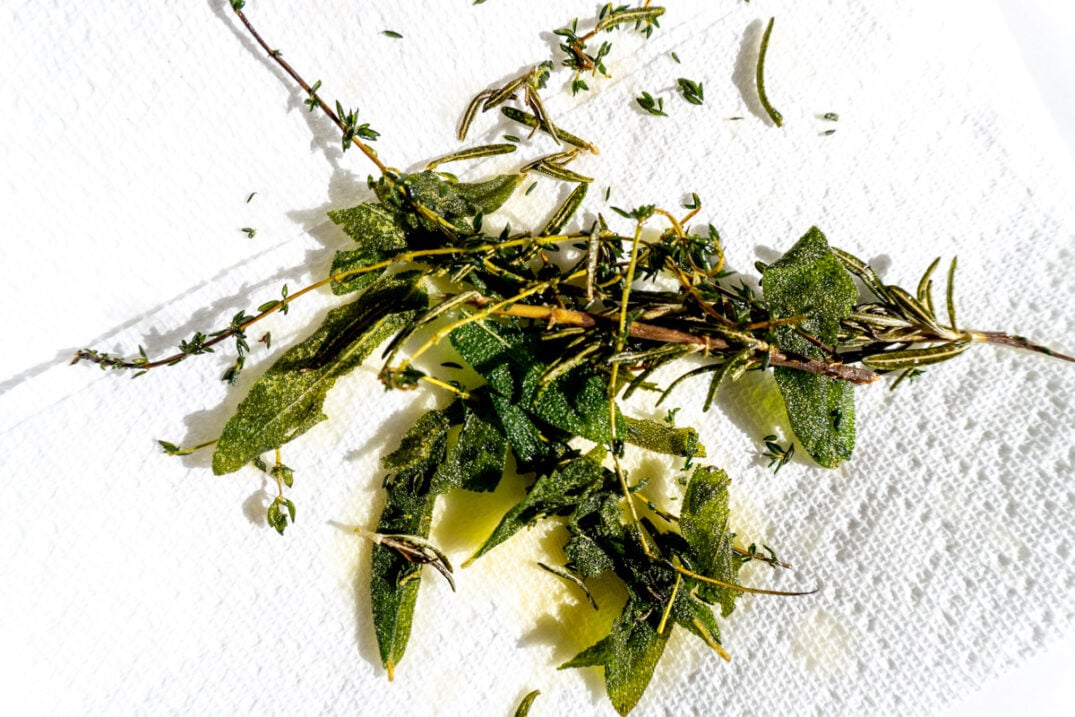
138, 583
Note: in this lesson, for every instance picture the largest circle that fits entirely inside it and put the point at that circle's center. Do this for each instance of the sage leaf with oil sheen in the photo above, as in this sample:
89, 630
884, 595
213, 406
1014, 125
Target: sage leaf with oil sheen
379, 234
556, 493
510, 362
810, 282
477, 458
703, 523
394, 580
629, 654
286, 401
455, 200
659, 437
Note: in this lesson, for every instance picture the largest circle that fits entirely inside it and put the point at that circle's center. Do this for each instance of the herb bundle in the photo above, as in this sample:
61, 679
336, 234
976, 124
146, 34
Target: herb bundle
560, 325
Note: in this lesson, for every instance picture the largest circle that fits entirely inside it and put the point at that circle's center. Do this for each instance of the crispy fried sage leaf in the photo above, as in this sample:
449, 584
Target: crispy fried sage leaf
408, 510
809, 281
511, 364
476, 460
556, 493
287, 400
372, 226
703, 523
629, 654
662, 438
455, 200
378, 233
600, 542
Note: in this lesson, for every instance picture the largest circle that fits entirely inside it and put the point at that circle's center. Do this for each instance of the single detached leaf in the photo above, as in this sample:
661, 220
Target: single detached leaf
810, 282
286, 401
629, 654
393, 580
703, 523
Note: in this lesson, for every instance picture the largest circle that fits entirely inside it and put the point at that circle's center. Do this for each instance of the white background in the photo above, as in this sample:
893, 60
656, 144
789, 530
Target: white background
132, 583
1043, 30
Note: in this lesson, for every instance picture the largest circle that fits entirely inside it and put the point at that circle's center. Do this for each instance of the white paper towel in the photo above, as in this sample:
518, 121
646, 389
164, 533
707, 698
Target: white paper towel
137, 583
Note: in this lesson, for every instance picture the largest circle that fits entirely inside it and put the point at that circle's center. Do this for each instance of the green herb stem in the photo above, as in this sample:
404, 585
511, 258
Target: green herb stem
774, 115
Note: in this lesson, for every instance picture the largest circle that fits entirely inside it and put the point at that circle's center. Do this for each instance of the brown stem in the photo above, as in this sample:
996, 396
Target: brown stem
662, 334
998, 337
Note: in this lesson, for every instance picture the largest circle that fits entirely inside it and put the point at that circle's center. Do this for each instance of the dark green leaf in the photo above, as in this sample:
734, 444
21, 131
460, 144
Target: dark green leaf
703, 523
810, 282
508, 360
628, 654
287, 400
476, 460
394, 580
555, 493
408, 510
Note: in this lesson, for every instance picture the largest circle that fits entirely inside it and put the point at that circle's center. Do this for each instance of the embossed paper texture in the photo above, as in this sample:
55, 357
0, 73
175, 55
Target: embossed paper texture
135, 582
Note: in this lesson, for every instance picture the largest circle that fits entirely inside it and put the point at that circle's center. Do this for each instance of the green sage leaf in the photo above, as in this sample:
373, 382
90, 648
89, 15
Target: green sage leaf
662, 438
408, 510
629, 654
510, 362
809, 281
477, 459
350, 260
456, 200
372, 226
703, 523
556, 493
393, 580
286, 401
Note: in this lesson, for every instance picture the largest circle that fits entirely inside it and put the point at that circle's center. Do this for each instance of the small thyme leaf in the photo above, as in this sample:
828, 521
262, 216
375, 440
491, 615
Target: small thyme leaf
691, 91
249, 231
655, 106
778, 455
392, 34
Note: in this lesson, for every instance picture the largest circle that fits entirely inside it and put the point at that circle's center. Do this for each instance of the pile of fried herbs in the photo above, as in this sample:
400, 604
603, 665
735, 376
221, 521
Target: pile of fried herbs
560, 326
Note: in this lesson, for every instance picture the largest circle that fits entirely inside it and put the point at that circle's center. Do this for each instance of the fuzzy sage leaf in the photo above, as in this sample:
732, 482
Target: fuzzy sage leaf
286, 401
810, 282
